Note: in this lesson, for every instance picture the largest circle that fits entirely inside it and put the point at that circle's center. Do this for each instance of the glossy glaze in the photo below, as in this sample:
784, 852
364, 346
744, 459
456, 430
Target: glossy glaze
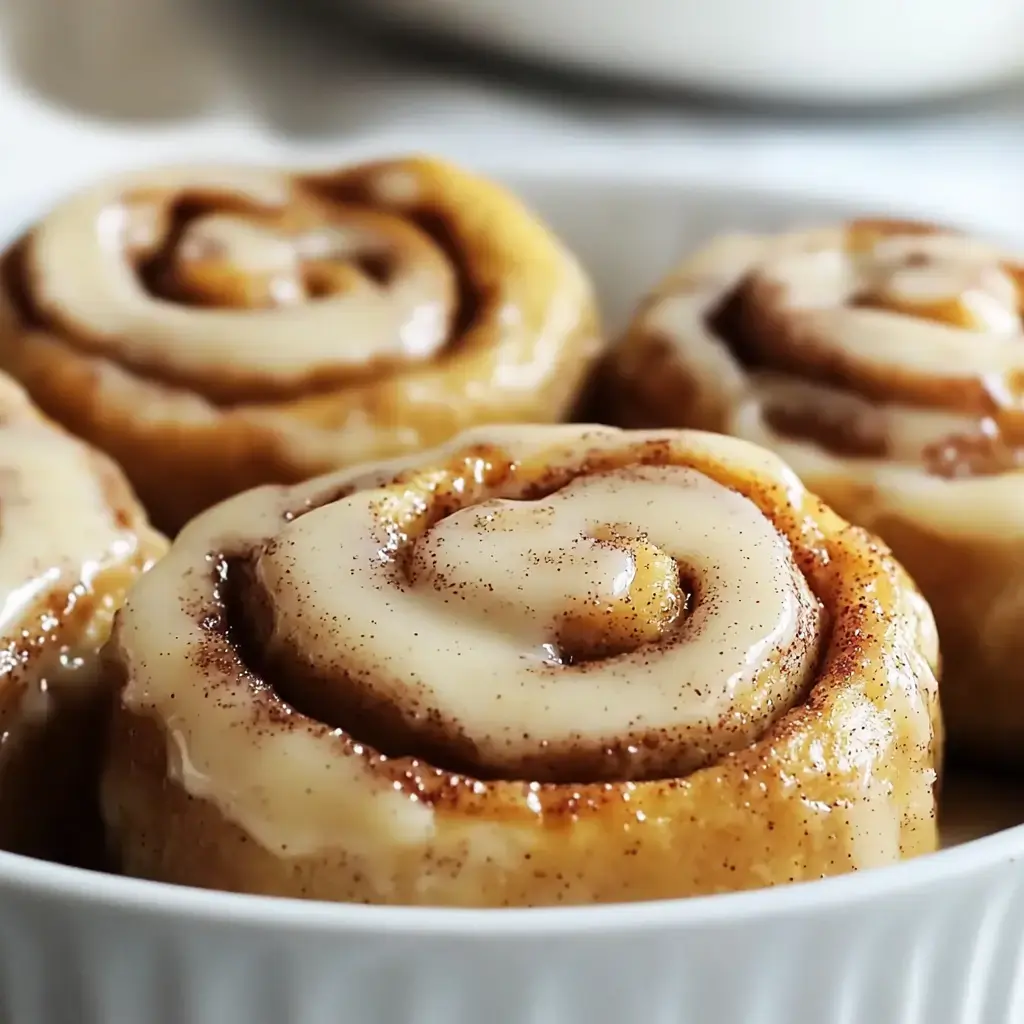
884, 360
229, 326
73, 540
394, 684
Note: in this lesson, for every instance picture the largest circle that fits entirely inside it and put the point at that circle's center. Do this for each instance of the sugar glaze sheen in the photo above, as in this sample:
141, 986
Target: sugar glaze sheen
935, 940
343, 700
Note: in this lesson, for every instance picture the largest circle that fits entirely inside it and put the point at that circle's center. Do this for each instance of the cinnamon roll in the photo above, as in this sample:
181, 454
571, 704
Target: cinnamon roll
884, 362
538, 665
218, 328
72, 541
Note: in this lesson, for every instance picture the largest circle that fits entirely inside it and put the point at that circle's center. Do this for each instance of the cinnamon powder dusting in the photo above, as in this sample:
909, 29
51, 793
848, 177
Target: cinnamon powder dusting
600, 667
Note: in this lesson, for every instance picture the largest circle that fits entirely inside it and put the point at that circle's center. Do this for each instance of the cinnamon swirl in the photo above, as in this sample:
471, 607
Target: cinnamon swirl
72, 540
218, 328
884, 362
537, 665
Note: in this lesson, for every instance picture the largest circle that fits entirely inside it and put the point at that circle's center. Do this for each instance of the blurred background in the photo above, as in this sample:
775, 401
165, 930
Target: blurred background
896, 101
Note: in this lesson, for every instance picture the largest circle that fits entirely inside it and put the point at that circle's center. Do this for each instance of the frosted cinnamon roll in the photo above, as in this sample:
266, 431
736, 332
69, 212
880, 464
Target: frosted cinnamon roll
218, 328
72, 541
538, 665
884, 362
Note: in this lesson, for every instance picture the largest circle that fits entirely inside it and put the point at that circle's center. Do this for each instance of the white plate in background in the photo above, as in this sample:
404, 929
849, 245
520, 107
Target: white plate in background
936, 941
807, 51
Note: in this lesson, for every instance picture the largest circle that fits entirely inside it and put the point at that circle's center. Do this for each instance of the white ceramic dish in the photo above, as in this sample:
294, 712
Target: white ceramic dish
936, 941
800, 50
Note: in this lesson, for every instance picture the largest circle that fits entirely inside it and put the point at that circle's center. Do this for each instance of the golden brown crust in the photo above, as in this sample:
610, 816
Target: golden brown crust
883, 361
379, 764
241, 326
73, 540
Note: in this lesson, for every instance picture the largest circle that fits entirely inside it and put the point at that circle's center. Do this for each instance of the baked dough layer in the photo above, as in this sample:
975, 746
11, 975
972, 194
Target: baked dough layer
217, 328
534, 666
73, 539
884, 362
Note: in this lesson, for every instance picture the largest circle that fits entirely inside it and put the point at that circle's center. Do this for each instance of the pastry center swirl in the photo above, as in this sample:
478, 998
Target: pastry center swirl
246, 285
900, 343
306, 252
631, 622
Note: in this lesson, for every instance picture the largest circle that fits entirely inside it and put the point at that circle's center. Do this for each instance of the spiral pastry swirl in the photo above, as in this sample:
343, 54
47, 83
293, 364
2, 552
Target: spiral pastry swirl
538, 665
215, 328
72, 540
884, 362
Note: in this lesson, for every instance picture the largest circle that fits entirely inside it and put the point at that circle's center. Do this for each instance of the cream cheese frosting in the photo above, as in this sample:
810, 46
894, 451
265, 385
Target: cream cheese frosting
884, 361
394, 682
